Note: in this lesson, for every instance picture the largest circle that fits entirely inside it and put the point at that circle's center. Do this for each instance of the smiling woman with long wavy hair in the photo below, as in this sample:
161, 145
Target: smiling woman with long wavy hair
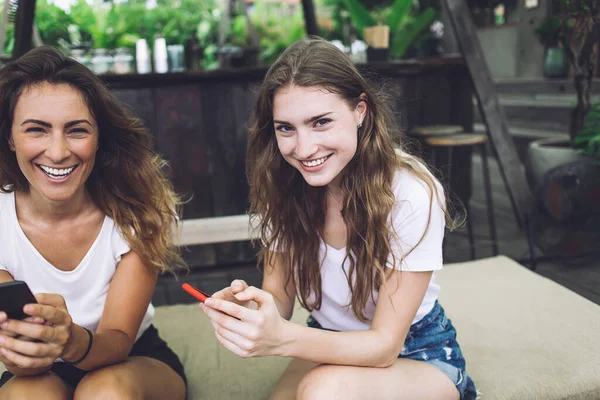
350, 224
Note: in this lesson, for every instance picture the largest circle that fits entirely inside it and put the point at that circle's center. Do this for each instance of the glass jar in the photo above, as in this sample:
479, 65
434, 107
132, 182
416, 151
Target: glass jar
102, 62
123, 61
81, 56
176, 57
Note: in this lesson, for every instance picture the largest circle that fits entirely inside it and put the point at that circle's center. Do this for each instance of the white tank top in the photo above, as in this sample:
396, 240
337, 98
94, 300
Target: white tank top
85, 288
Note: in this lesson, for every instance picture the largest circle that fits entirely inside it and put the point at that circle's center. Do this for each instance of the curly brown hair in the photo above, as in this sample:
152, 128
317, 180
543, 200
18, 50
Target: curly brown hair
127, 183
288, 210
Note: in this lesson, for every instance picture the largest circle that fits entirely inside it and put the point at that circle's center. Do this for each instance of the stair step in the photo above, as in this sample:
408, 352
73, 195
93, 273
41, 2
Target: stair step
522, 137
543, 111
538, 86
516, 131
535, 108
544, 117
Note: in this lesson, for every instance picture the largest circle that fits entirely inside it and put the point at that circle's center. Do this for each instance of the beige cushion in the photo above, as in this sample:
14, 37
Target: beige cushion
213, 372
524, 337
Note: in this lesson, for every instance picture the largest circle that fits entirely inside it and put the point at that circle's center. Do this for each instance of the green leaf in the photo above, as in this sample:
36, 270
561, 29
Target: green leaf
400, 10
403, 38
588, 139
360, 15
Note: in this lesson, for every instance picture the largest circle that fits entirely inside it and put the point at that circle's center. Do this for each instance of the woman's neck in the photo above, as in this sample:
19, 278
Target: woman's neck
335, 193
40, 207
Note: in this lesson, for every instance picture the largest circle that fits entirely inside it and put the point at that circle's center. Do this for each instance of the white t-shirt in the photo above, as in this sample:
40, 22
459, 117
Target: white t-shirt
85, 288
409, 219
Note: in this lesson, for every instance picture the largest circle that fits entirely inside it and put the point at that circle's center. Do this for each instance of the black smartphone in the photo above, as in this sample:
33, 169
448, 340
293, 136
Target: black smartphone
13, 297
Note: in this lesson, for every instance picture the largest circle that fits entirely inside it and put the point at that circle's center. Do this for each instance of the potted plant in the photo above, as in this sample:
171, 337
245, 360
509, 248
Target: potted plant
277, 26
563, 173
555, 58
579, 33
588, 138
393, 29
202, 47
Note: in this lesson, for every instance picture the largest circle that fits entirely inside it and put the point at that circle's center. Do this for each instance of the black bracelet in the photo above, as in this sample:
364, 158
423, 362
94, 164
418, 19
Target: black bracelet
87, 351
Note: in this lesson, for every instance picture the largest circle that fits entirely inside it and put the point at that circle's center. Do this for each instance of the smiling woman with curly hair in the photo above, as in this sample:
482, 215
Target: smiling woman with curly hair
86, 220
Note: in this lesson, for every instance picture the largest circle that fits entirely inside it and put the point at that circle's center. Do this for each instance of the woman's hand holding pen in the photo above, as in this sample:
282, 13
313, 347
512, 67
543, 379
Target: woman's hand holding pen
244, 331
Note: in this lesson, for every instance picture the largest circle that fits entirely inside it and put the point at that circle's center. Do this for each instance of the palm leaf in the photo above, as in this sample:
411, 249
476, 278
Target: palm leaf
405, 37
360, 15
400, 10
589, 137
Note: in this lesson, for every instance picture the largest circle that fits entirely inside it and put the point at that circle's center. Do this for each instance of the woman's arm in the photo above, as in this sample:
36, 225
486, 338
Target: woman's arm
250, 333
128, 297
275, 282
379, 346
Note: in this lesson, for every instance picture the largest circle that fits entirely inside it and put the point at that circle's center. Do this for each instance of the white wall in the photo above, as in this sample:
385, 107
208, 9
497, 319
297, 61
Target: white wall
500, 49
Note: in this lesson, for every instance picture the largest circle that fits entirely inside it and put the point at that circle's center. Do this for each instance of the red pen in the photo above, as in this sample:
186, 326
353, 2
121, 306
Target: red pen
197, 293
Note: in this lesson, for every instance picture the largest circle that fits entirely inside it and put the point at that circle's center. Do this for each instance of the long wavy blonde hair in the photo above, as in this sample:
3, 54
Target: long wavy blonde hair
127, 183
289, 211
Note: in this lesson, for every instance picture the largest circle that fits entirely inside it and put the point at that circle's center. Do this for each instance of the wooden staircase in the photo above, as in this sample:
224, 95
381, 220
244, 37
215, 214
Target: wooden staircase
536, 108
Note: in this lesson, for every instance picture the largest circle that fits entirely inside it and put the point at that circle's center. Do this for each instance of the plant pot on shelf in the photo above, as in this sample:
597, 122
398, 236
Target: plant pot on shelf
555, 63
378, 40
546, 154
565, 217
377, 55
250, 57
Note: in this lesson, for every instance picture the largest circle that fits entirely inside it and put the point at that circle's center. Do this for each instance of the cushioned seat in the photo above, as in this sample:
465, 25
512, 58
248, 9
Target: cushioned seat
213, 372
524, 337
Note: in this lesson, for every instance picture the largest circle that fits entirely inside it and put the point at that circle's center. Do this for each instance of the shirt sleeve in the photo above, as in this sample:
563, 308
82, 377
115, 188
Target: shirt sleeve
119, 245
418, 222
274, 248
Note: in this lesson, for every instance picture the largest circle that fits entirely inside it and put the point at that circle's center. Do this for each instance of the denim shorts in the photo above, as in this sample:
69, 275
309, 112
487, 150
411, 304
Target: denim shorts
433, 340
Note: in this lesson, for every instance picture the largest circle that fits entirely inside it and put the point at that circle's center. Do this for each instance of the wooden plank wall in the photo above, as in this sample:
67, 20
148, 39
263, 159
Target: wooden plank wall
199, 126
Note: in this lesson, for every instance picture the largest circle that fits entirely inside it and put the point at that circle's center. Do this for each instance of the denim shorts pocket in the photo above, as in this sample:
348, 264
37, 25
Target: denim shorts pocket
434, 341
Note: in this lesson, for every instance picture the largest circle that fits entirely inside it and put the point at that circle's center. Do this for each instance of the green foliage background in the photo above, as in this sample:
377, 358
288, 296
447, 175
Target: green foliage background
112, 25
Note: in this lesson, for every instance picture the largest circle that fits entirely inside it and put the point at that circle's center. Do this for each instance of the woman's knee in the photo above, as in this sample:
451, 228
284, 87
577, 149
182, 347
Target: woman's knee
322, 382
47, 386
106, 385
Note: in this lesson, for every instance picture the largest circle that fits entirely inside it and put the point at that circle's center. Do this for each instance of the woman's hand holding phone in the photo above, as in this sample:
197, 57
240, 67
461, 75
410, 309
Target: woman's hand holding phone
28, 344
247, 332
3, 319
228, 293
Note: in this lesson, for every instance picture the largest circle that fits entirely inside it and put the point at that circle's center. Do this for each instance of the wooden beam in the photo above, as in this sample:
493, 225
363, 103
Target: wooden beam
309, 18
215, 230
511, 169
23, 27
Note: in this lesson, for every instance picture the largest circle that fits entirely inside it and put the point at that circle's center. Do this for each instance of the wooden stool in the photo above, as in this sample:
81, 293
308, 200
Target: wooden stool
442, 156
436, 130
